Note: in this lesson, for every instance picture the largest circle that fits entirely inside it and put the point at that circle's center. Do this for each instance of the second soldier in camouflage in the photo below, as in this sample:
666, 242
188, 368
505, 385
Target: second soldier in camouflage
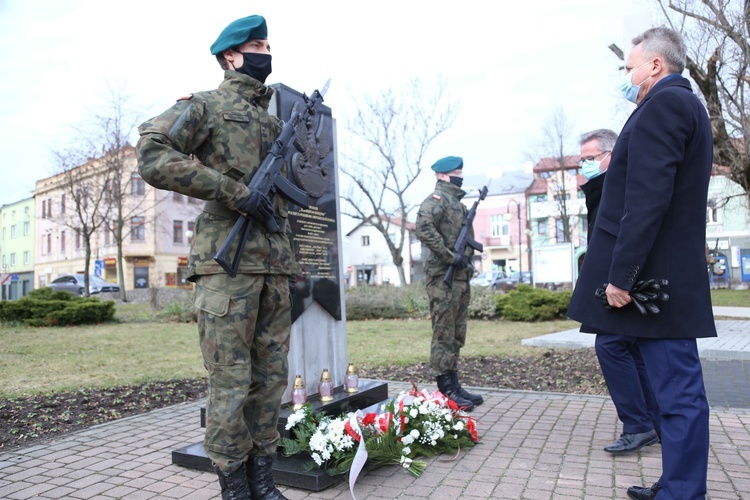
439, 222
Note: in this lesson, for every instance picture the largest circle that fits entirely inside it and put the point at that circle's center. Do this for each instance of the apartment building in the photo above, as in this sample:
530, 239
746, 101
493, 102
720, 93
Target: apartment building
17, 248
156, 226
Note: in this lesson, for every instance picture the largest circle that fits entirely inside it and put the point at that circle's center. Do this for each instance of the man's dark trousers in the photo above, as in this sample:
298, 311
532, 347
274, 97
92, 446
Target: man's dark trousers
622, 364
674, 370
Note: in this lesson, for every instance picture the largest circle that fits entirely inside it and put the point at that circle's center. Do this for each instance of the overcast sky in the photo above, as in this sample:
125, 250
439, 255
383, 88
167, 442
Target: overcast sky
507, 65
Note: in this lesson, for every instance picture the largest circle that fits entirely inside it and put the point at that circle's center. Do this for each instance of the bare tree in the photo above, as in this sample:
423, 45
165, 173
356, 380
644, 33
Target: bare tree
553, 156
113, 130
717, 33
396, 127
83, 182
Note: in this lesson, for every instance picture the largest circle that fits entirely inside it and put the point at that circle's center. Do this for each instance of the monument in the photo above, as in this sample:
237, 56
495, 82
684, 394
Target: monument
318, 336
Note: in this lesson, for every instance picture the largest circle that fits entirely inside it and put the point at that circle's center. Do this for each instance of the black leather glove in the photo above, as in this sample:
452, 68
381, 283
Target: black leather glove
257, 205
292, 288
459, 262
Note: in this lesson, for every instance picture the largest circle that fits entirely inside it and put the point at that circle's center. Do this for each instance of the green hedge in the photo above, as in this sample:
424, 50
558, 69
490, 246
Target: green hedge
532, 304
47, 307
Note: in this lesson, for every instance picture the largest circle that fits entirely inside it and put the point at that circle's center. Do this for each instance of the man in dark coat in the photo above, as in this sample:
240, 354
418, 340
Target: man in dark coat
618, 355
651, 225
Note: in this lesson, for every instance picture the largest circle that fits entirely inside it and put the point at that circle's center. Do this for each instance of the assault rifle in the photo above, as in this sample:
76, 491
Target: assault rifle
464, 239
268, 180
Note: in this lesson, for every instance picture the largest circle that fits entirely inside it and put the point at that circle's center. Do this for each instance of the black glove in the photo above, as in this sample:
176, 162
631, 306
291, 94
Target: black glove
459, 262
292, 288
257, 205
644, 294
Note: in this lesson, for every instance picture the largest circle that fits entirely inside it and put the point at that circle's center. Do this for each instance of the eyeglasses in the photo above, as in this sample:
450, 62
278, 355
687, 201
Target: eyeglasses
592, 158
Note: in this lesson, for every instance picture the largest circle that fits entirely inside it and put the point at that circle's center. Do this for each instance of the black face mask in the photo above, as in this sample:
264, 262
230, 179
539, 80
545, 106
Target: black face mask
458, 181
255, 65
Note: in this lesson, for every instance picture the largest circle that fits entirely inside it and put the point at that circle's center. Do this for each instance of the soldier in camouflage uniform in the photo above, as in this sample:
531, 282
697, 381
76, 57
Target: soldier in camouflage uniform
438, 225
208, 146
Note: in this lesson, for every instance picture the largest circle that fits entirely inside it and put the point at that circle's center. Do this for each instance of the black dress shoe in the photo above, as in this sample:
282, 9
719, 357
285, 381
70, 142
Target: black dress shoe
640, 493
633, 442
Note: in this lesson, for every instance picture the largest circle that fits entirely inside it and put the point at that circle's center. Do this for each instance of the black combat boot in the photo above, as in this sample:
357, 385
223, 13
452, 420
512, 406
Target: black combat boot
447, 386
260, 479
474, 398
234, 484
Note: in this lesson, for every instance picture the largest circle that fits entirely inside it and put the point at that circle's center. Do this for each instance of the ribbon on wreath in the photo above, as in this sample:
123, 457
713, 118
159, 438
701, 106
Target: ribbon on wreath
360, 457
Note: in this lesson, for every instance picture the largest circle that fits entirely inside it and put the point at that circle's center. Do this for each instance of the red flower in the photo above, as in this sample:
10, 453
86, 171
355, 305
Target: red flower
369, 419
472, 428
452, 405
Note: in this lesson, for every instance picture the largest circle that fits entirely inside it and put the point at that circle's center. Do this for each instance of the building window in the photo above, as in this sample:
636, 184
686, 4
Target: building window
49, 208
138, 229
137, 184
584, 224
499, 226
3, 233
13, 231
541, 227
713, 214
62, 204
4, 264
177, 197
191, 230
44, 208
13, 259
559, 231
78, 239
26, 257
177, 232
559, 196
48, 244
62, 241
365, 241
193, 201
26, 228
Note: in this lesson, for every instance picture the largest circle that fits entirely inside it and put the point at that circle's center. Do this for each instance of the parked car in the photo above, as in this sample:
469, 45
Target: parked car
485, 279
73, 283
510, 282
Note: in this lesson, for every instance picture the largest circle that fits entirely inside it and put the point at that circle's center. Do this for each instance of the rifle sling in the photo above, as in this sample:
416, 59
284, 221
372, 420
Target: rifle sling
220, 210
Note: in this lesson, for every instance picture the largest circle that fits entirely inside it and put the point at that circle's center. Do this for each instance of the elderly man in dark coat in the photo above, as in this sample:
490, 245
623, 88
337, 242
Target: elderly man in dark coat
651, 225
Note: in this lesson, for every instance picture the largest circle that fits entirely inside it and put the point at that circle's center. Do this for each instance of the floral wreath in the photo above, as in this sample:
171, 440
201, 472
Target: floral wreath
415, 424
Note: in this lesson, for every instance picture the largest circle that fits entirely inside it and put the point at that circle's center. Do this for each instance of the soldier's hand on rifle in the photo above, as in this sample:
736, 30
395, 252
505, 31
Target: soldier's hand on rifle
459, 261
257, 205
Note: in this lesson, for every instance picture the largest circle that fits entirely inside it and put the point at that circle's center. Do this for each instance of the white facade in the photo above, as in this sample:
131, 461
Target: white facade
370, 259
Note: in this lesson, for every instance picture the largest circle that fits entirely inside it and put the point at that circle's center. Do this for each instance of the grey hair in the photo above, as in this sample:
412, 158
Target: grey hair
667, 43
604, 136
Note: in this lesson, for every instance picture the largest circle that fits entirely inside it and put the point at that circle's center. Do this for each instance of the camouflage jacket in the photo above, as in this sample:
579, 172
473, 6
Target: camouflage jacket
208, 146
438, 225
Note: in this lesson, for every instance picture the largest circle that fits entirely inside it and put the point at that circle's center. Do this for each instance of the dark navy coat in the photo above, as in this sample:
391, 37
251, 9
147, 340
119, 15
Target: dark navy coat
652, 220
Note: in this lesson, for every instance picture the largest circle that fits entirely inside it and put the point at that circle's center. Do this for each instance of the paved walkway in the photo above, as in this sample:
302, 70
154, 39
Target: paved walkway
533, 446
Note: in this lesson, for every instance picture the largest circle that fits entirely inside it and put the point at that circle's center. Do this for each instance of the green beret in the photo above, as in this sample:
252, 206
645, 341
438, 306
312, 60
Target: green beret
239, 32
448, 164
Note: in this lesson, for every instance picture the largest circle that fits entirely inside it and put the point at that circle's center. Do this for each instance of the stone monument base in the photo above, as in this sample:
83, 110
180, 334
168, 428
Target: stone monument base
289, 471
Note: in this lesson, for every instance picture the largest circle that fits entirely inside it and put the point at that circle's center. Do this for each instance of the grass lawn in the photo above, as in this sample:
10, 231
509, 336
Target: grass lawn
730, 298
139, 349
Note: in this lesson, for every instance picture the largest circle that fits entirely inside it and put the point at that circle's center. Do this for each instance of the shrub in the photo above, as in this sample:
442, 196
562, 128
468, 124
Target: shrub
182, 311
483, 304
47, 307
532, 304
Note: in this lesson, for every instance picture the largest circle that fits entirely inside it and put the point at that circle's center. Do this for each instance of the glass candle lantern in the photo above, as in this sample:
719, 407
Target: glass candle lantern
299, 394
325, 389
351, 380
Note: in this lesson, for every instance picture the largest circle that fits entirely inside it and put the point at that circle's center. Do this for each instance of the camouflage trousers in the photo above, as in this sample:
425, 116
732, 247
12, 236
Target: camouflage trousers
449, 309
244, 326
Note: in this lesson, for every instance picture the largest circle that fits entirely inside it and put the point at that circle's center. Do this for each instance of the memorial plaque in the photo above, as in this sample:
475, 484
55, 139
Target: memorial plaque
315, 228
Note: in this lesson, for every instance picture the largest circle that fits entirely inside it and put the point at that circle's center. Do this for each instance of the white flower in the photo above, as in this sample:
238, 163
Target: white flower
407, 440
414, 433
405, 461
317, 459
459, 426
406, 450
295, 418
413, 413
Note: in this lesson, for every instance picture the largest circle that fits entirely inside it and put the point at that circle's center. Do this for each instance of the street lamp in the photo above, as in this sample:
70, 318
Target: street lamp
508, 217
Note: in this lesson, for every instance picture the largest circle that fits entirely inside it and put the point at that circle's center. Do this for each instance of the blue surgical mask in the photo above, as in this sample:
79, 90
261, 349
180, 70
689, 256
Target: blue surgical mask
628, 89
590, 168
